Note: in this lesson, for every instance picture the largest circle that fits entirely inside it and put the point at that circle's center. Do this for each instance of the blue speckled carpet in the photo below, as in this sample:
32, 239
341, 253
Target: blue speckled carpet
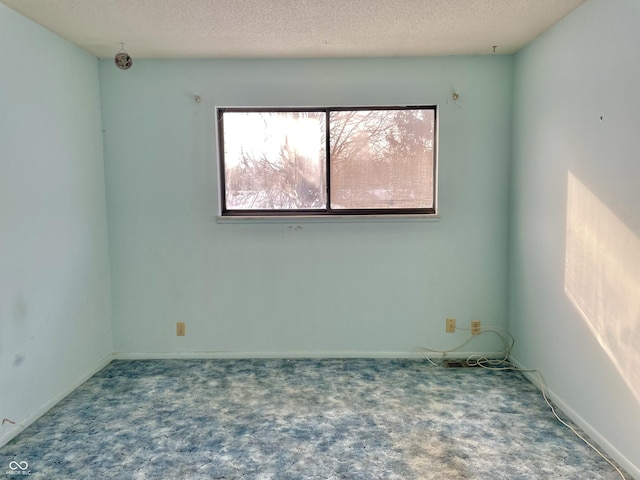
302, 419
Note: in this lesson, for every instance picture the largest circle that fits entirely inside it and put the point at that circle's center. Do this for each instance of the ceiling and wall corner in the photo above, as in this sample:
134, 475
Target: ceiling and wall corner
296, 28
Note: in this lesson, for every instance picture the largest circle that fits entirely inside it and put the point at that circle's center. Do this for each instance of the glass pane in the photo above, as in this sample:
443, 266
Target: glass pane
274, 160
382, 159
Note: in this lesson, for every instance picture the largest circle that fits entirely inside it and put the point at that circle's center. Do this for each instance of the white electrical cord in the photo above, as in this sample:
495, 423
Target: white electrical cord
504, 353
504, 364
431, 362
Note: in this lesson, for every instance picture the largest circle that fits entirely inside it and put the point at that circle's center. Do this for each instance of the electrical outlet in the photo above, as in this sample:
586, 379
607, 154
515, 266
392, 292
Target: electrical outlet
451, 325
181, 329
475, 327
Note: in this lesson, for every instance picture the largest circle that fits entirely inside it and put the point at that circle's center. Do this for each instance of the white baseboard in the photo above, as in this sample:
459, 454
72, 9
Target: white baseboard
291, 355
613, 452
20, 425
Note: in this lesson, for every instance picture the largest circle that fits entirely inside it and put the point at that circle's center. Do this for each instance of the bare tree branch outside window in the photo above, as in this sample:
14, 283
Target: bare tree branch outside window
378, 159
274, 160
381, 159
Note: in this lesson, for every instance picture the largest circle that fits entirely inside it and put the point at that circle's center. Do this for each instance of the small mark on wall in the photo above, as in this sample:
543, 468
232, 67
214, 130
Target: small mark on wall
18, 360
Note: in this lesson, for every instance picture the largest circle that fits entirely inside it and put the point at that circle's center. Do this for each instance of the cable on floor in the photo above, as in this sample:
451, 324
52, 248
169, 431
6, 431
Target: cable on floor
484, 361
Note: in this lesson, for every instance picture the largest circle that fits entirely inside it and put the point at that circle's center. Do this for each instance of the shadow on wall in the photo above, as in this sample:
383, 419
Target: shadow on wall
602, 278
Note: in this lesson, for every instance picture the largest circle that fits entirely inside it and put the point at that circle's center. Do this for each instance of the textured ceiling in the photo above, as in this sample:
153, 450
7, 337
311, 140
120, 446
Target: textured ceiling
296, 28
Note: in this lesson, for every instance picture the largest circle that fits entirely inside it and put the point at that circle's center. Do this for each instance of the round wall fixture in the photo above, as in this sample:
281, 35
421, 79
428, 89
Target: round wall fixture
123, 60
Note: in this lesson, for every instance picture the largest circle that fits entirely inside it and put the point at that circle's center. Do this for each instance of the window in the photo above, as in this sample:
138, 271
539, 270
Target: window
327, 161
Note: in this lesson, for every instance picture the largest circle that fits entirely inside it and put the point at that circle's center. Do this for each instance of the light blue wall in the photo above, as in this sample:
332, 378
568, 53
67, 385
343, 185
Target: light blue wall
575, 218
55, 301
375, 288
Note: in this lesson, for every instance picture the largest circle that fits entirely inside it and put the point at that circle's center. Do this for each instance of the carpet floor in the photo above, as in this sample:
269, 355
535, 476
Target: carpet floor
301, 419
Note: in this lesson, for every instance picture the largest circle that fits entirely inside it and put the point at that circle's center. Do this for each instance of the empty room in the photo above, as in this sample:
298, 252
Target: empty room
348, 239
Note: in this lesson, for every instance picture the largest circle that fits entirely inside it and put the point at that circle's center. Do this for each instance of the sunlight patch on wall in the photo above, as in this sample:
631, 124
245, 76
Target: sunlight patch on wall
602, 278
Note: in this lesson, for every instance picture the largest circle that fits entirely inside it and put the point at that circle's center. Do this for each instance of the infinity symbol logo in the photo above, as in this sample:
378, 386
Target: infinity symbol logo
15, 465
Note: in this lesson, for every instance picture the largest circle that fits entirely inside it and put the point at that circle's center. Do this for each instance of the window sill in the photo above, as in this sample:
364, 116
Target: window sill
328, 218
